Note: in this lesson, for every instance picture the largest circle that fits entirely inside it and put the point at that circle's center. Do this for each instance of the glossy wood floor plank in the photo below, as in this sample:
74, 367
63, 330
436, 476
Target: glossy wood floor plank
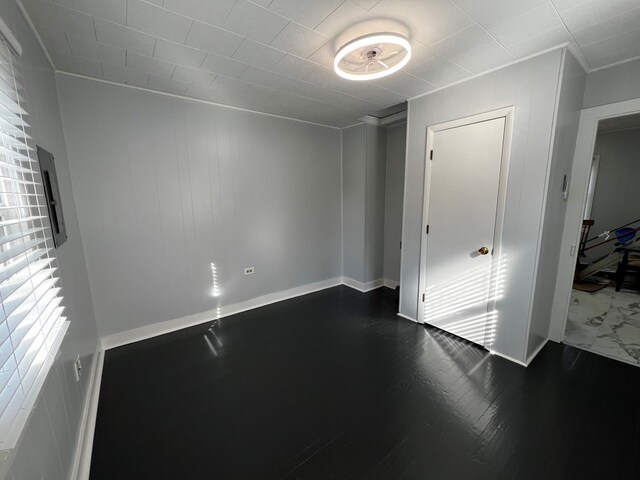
335, 385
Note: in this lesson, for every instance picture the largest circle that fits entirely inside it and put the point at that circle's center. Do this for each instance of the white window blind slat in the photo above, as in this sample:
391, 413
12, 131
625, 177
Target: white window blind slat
25, 301
17, 335
23, 263
21, 246
11, 237
19, 280
32, 325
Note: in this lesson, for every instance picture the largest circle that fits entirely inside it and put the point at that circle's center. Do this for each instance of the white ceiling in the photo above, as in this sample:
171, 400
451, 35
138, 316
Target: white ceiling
275, 56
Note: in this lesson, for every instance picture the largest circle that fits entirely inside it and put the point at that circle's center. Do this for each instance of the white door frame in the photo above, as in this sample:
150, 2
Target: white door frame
585, 144
506, 113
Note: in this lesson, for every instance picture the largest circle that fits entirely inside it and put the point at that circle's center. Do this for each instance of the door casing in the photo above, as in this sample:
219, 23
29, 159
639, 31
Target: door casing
578, 186
506, 113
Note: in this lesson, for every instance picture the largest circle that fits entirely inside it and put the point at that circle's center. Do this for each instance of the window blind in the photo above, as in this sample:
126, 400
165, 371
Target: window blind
31, 321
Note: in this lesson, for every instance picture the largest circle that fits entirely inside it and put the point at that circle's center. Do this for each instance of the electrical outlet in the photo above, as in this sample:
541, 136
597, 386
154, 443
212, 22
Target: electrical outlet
249, 271
77, 368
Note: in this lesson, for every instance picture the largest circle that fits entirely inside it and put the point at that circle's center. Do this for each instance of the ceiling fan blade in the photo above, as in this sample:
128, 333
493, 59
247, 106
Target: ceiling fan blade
383, 64
356, 67
389, 54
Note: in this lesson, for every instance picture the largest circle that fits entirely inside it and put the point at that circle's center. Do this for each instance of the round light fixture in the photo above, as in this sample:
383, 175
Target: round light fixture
372, 56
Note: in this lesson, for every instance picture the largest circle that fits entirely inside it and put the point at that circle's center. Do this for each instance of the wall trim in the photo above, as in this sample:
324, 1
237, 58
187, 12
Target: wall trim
193, 99
27, 18
507, 357
585, 144
515, 62
392, 284
84, 447
536, 351
614, 64
407, 317
363, 287
168, 326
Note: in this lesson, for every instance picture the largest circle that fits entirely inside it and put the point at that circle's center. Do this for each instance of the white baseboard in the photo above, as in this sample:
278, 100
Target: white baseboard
507, 357
149, 331
392, 284
407, 317
363, 287
82, 457
536, 351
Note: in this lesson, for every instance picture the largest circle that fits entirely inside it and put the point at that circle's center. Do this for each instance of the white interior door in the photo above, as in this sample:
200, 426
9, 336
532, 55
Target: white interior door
464, 173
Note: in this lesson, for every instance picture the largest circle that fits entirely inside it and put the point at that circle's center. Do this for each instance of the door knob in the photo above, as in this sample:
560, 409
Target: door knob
483, 250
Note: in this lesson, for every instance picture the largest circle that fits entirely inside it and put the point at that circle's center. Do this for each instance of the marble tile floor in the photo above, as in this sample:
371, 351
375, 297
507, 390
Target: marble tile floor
606, 322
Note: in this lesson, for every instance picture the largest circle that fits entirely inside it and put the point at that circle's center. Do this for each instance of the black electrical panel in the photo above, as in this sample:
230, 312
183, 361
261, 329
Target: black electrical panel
52, 193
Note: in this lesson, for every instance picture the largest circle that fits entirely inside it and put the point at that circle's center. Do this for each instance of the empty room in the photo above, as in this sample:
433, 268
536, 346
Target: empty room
319, 239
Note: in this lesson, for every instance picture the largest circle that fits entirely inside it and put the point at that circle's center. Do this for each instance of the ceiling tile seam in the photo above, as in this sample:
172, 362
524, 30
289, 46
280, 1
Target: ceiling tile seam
193, 21
281, 30
66, 39
482, 27
244, 37
95, 31
581, 57
328, 15
612, 36
262, 8
226, 17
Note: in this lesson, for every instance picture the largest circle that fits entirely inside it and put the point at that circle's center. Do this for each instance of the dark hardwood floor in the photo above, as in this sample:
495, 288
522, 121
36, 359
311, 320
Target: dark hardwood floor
335, 385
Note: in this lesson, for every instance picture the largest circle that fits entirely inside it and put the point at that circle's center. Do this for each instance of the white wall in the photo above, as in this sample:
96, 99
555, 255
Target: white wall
375, 172
614, 84
166, 186
617, 196
531, 87
48, 443
353, 198
394, 190
566, 131
363, 190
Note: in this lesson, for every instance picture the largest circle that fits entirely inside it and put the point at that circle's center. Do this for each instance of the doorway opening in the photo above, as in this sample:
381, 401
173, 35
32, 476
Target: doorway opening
604, 308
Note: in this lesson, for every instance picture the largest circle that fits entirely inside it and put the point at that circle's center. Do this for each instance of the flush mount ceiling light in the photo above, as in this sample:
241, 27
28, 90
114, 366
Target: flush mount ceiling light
372, 56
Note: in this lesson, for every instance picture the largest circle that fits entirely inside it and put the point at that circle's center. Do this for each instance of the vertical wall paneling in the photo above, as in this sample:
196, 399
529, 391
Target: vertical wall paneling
531, 87
611, 85
394, 188
48, 443
364, 170
353, 188
168, 187
566, 130
375, 174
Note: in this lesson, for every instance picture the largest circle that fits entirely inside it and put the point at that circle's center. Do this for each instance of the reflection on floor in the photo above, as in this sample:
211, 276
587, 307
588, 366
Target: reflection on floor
333, 385
606, 322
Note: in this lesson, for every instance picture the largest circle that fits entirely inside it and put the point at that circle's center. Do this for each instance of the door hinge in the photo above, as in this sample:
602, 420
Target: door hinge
423, 297
431, 155
400, 244
427, 230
